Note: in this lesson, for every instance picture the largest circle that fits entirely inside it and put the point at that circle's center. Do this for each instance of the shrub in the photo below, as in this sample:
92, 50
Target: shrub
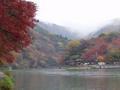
6, 83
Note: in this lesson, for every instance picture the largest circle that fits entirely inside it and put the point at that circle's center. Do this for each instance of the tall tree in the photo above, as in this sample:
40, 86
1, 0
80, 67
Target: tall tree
16, 21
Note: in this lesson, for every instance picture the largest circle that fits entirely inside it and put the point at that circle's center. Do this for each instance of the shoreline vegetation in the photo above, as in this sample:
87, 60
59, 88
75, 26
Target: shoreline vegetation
6, 80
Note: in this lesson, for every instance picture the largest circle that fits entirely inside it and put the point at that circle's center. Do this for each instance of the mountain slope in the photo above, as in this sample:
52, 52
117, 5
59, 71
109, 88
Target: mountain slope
59, 30
46, 50
112, 27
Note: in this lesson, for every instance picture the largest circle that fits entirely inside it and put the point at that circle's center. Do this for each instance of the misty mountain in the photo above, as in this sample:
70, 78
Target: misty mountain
59, 30
114, 26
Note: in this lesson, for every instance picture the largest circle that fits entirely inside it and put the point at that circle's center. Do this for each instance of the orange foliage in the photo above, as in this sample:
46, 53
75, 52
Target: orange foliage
101, 58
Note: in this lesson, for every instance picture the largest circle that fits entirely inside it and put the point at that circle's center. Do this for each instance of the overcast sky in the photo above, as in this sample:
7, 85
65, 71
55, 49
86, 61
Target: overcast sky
82, 15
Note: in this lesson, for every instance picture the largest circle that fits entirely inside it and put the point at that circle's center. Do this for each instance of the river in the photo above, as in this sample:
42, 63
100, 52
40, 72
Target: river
60, 79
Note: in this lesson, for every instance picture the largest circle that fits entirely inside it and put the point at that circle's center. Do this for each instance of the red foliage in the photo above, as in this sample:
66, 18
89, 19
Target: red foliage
90, 54
16, 19
98, 49
116, 42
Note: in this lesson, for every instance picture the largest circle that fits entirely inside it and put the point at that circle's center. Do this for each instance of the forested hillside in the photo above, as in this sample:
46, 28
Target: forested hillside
104, 47
47, 49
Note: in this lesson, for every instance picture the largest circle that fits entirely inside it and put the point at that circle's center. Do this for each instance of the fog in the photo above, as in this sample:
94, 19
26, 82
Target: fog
82, 16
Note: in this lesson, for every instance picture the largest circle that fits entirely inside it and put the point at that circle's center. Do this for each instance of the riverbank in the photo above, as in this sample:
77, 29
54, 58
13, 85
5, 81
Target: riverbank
85, 67
80, 67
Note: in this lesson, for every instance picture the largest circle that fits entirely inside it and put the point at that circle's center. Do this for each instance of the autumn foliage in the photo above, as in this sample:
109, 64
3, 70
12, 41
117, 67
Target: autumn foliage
16, 21
104, 48
99, 49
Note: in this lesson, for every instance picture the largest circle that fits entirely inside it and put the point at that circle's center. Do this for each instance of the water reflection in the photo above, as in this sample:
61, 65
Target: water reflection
34, 80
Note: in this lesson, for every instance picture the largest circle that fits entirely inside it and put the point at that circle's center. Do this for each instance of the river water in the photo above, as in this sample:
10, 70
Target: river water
55, 79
